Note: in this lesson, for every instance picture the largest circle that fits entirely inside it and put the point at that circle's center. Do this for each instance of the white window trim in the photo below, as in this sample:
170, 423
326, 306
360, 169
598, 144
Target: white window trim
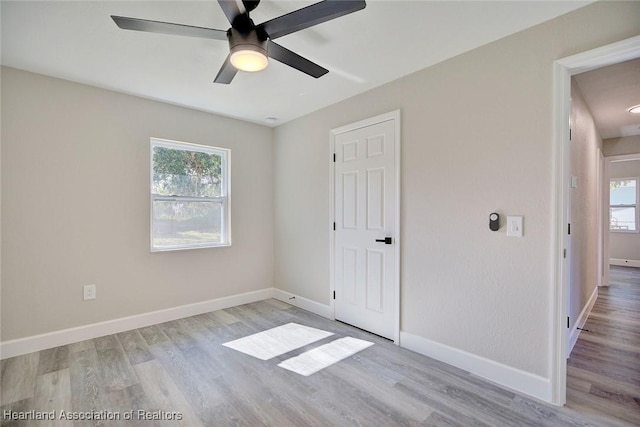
225, 189
636, 206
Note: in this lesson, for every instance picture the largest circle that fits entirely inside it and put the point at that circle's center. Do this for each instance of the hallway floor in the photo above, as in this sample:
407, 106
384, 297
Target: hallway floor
603, 372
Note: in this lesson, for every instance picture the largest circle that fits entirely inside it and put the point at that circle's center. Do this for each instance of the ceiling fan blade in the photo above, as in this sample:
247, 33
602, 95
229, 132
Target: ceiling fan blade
168, 28
309, 16
227, 72
231, 9
292, 59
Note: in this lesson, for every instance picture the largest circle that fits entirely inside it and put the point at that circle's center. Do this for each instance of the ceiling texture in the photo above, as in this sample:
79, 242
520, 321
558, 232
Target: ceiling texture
610, 92
78, 41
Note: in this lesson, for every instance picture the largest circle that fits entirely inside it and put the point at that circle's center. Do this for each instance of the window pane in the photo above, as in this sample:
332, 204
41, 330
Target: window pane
623, 192
623, 219
186, 173
179, 223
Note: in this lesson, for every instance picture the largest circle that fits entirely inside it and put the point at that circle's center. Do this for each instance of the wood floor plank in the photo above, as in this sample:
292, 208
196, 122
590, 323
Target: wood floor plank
580, 384
134, 346
579, 378
86, 383
53, 393
199, 387
115, 369
223, 317
81, 346
604, 340
153, 334
130, 400
164, 395
17, 407
436, 419
18, 378
586, 402
53, 359
463, 414
378, 390
439, 373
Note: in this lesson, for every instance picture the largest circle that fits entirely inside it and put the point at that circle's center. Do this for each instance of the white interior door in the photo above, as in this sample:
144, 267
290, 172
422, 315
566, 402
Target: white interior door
365, 228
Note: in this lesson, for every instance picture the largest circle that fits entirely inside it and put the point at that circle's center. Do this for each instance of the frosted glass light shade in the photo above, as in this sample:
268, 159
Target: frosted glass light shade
249, 60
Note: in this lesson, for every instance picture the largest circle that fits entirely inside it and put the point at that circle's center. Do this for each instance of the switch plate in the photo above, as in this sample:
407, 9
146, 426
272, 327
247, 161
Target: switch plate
574, 182
514, 226
89, 292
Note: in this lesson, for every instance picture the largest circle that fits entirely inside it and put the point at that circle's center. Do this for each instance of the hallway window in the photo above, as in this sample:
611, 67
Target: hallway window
623, 205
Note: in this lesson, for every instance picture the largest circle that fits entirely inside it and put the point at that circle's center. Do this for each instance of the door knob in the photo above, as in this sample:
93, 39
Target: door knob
386, 240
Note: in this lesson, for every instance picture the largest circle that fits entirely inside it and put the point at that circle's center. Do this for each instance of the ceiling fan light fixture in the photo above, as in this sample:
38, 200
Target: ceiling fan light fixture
249, 58
251, 45
635, 109
248, 51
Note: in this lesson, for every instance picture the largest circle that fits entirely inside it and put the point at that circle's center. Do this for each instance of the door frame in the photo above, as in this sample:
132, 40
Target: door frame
395, 117
600, 252
563, 69
605, 206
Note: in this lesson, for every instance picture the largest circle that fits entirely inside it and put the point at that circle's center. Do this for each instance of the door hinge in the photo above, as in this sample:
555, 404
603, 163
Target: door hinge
564, 253
334, 226
569, 134
334, 294
334, 157
567, 322
569, 228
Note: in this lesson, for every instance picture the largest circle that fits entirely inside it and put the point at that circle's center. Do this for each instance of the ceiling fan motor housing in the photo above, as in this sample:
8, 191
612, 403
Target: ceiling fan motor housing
249, 41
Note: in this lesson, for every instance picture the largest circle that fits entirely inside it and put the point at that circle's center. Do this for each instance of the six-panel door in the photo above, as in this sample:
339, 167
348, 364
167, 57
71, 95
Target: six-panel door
364, 212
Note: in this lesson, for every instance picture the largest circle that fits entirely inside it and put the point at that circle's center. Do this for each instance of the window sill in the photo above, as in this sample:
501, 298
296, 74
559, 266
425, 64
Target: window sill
186, 248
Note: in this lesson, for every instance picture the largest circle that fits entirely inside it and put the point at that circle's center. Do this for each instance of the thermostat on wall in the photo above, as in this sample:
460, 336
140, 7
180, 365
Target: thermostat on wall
494, 221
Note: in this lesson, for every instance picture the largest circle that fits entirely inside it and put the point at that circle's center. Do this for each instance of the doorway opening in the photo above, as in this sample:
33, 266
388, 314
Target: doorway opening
564, 69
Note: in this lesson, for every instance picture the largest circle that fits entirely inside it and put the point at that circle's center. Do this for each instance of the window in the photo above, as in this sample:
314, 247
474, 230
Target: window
623, 205
189, 196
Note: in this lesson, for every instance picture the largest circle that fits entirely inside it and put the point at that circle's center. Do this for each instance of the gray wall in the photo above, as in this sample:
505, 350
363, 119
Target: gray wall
585, 143
75, 208
622, 146
476, 138
625, 246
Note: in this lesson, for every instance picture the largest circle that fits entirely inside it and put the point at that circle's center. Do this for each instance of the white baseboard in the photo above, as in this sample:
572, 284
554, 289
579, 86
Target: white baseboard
68, 336
303, 303
507, 376
580, 321
625, 262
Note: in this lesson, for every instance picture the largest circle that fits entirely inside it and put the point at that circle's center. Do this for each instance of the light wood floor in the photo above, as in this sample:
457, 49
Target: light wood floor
182, 366
604, 367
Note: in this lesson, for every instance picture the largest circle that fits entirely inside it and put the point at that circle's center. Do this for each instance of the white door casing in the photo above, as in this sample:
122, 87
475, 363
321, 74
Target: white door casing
365, 269
563, 69
600, 216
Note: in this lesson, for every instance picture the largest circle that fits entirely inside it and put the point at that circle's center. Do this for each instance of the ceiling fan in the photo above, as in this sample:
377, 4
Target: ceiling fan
250, 45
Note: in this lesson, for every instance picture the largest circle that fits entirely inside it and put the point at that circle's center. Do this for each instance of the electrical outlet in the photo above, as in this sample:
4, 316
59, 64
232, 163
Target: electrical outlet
89, 292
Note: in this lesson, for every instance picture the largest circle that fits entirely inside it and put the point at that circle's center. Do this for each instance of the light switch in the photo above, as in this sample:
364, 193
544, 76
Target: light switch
514, 226
574, 182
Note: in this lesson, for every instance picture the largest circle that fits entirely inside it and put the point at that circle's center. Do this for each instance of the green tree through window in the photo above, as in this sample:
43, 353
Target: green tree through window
189, 196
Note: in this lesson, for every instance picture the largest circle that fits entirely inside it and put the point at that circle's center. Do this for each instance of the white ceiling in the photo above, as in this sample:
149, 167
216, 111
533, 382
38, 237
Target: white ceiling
77, 40
610, 92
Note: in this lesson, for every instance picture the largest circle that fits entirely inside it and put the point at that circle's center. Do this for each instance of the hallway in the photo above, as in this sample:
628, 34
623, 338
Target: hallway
603, 372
